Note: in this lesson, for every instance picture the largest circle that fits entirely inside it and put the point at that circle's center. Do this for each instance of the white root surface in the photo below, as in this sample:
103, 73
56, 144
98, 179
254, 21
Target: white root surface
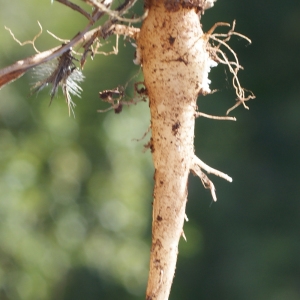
176, 66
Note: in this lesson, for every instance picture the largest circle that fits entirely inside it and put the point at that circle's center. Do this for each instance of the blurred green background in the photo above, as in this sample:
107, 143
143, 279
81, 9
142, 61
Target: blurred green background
75, 194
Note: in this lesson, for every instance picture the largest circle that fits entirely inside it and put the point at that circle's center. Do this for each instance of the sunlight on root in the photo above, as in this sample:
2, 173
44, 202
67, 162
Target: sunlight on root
200, 114
183, 235
197, 167
208, 169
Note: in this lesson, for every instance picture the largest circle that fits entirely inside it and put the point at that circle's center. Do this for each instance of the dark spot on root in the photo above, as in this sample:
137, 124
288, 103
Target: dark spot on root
157, 244
171, 40
159, 218
181, 59
175, 127
152, 149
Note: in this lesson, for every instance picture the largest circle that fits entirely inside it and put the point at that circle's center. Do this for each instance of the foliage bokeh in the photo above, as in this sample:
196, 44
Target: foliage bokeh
75, 194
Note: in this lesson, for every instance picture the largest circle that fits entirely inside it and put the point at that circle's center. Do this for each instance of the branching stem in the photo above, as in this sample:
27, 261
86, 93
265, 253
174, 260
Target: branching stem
17, 69
76, 8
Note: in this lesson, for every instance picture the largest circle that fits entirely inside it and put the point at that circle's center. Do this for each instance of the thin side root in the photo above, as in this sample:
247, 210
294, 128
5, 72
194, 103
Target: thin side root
218, 24
197, 167
115, 50
200, 114
197, 161
183, 235
57, 38
27, 42
144, 135
234, 66
131, 32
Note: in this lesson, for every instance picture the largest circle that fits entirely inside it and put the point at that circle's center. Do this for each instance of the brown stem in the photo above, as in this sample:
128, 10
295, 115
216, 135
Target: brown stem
77, 8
